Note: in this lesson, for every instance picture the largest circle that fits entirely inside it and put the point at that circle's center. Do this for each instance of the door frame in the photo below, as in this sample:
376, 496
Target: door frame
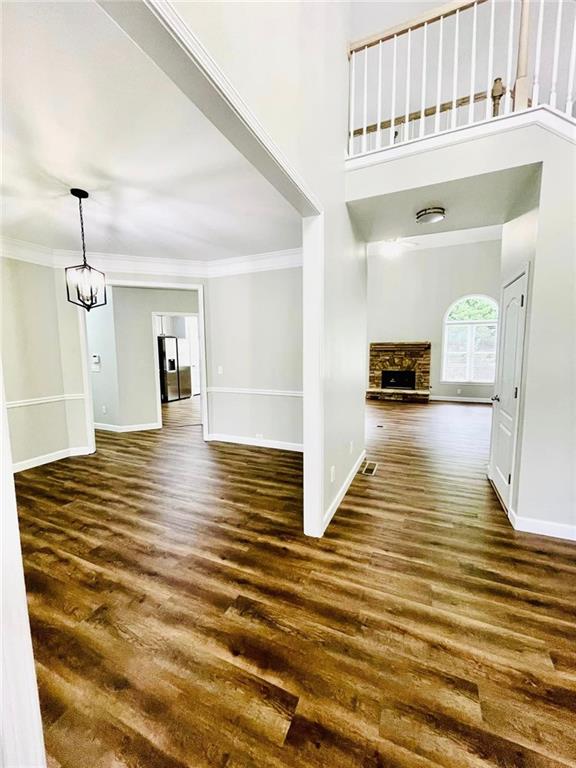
523, 269
201, 363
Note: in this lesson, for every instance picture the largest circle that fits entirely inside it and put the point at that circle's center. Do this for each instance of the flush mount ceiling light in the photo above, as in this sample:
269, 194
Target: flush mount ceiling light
85, 286
431, 215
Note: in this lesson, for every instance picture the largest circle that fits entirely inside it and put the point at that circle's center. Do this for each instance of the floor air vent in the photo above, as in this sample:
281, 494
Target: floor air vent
369, 468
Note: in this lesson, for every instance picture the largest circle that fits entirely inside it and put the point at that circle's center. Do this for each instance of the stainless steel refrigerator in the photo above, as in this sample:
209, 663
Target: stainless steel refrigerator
175, 379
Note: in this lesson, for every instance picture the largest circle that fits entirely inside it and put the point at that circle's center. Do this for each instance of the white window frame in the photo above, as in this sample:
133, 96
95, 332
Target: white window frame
469, 324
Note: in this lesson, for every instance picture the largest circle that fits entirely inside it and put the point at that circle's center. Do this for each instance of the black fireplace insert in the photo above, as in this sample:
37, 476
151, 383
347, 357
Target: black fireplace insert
398, 379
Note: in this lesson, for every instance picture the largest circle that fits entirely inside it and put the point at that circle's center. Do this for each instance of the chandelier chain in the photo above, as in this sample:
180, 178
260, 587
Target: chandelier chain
82, 230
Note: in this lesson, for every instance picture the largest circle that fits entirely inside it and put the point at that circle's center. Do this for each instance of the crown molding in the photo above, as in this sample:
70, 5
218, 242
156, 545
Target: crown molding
115, 263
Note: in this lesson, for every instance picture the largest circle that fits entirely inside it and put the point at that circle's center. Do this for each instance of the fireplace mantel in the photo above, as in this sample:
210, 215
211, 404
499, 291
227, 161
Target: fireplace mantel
400, 356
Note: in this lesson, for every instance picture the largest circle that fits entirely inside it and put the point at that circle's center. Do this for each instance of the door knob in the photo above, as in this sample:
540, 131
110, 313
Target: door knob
496, 398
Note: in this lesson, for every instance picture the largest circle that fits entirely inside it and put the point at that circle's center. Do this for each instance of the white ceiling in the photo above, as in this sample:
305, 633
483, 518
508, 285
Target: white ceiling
83, 106
477, 201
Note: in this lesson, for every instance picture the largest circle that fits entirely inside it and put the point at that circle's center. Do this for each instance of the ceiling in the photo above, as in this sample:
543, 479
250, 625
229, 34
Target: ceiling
477, 201
84, 107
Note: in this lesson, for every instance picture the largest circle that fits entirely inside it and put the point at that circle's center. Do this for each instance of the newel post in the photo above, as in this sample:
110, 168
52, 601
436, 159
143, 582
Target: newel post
522, 86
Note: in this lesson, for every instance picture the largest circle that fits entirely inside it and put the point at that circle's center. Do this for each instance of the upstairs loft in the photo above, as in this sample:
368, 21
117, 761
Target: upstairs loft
460, 65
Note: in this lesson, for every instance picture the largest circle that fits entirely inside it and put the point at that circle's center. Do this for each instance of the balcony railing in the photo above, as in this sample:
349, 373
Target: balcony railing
464, 63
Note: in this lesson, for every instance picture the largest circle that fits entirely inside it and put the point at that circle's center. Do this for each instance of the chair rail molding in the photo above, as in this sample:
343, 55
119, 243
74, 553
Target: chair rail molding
249, 391
43, 400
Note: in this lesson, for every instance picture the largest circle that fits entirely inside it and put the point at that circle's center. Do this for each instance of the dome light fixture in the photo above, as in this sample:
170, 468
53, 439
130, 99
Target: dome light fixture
431, 215
85, 286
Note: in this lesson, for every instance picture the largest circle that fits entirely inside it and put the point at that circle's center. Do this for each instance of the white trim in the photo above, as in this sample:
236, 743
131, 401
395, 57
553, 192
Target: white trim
313, 352
546, 117
448, 399
258, 442
127, 427
42, 400
247, 391
542, 527
117, 263
331, 511
47, 458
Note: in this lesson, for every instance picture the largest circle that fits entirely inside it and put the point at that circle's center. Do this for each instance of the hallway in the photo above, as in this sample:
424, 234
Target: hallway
180, 617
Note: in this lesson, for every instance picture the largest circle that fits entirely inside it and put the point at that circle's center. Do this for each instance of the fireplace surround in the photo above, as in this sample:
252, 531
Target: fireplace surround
399, 371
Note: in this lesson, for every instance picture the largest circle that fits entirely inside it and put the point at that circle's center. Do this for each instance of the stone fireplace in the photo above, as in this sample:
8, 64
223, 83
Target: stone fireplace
399, 371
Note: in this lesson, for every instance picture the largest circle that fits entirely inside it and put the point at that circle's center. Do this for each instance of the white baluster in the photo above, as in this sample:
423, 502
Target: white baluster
536, 89
393, 105
365, 117
379, 107
490, 79
455, 70
508, 98
572, 72
407, 110
473, 64
424, 57
439, 82
351, 108
553, 94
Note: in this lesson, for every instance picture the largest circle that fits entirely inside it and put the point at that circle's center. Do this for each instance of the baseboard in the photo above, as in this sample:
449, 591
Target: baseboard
127, 427
259, 442
542, 527
47, 458
331, 511
449, 399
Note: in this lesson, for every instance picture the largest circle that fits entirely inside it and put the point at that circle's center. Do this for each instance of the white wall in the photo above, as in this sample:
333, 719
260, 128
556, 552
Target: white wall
255, 347
410, 291
253, 336
101, 338
125, 388
21, 740
42, 350
300, 97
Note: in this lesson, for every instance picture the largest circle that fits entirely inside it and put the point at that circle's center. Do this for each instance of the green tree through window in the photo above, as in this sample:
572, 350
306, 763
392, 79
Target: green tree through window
470, 334
474, 308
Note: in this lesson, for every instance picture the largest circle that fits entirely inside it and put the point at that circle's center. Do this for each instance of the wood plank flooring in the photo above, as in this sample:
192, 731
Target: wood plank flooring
182, 413
181, 619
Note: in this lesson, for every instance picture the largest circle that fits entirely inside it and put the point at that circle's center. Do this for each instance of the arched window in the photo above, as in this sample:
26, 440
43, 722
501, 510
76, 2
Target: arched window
470, 330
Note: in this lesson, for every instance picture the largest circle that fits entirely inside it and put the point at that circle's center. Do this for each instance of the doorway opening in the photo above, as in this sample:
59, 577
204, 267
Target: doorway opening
147, 358
177, 358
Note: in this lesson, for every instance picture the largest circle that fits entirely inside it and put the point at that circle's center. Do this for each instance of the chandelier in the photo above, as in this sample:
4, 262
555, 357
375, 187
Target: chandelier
85, 286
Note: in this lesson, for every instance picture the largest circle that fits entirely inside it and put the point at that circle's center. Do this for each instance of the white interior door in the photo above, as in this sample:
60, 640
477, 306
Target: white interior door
507, 390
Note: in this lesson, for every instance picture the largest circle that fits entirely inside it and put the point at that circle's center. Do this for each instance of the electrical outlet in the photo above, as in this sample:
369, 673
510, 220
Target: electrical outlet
332, 473
220, 370
104, 409
458, 391
351, 447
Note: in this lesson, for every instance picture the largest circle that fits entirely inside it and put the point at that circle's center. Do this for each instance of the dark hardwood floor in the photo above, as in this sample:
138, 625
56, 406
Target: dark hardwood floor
180, 617
182, 413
